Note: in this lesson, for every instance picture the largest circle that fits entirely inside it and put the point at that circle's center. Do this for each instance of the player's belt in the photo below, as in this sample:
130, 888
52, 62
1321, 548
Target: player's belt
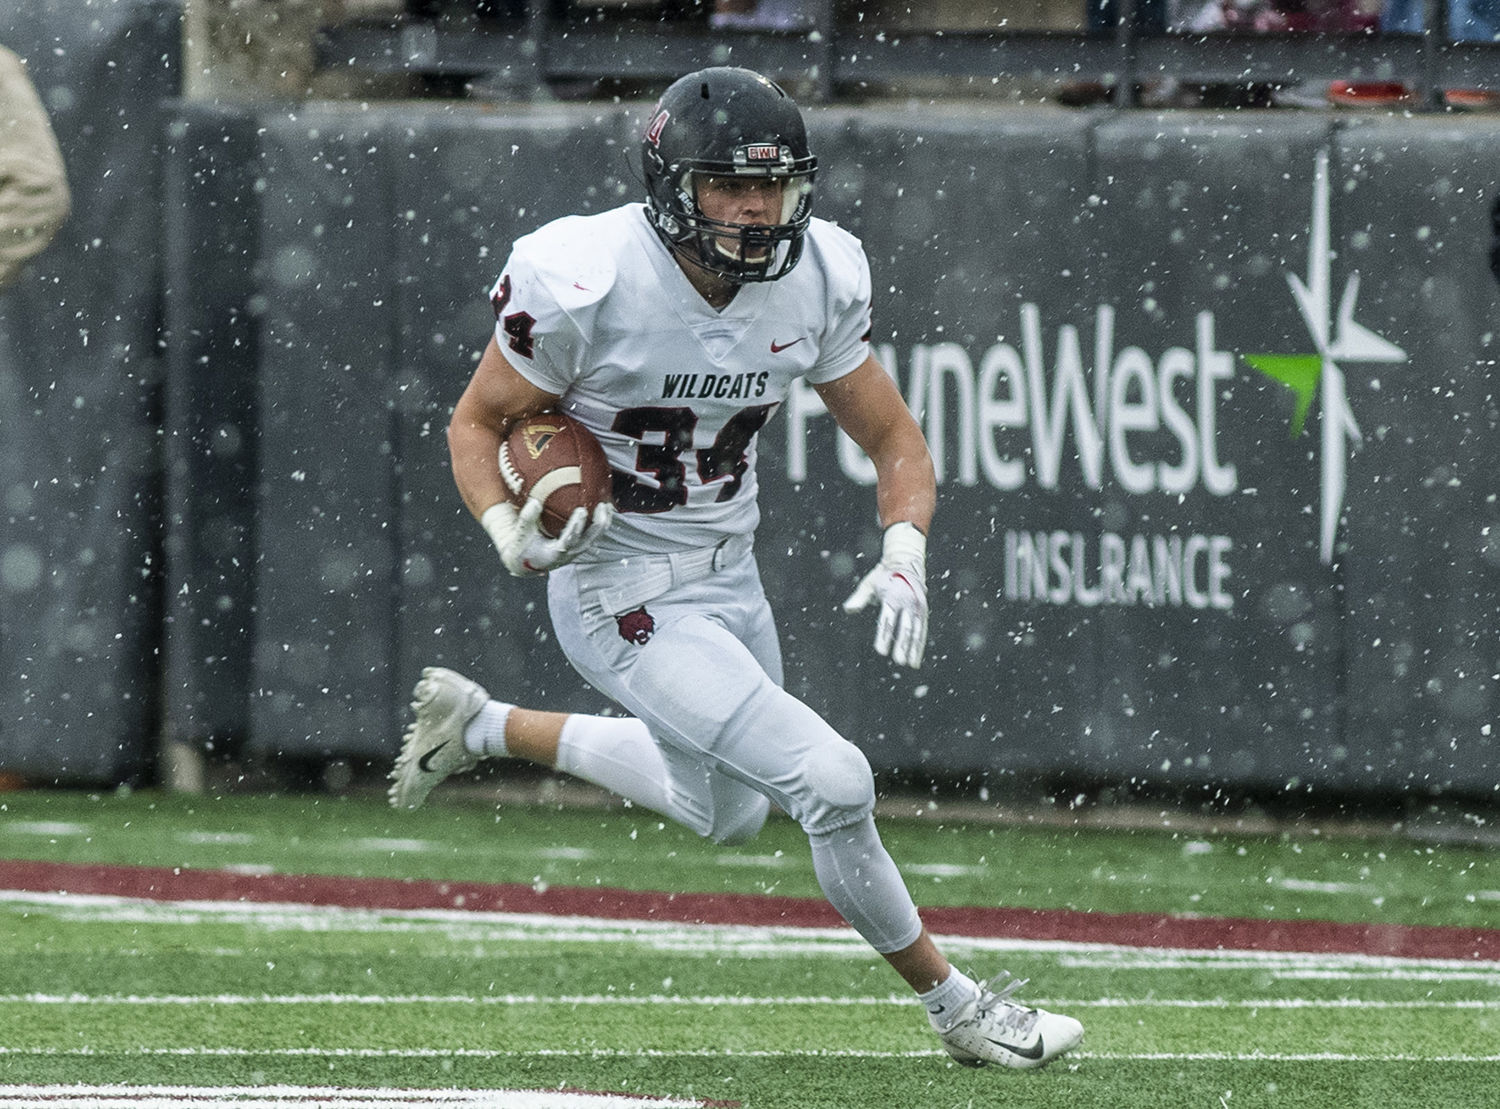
623, 584
691, 565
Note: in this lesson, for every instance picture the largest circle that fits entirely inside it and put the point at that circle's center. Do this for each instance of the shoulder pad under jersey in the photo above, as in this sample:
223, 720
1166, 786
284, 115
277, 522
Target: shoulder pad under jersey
573, 258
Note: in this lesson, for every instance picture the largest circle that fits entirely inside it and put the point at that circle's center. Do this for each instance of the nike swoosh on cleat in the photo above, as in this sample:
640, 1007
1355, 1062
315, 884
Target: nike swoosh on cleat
423, 763
777, 348
1034, 1052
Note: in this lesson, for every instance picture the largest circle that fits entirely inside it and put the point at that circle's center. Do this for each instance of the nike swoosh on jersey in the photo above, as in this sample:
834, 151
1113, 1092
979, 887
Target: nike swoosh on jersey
777, 348
424, 763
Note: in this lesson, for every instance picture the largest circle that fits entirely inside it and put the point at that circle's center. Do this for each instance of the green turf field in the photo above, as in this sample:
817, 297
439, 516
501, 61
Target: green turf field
105, 990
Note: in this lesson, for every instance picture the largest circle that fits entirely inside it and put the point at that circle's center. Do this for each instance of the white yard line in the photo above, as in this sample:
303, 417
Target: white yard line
717, 1002
46, 828
728, 1053
742, 941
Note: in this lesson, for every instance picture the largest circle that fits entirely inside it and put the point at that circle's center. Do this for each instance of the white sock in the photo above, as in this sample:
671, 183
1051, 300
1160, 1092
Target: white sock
945, 999
485, 734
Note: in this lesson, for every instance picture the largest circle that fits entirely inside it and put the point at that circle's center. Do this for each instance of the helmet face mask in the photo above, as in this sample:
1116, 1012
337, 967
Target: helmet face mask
745, 251
725, 123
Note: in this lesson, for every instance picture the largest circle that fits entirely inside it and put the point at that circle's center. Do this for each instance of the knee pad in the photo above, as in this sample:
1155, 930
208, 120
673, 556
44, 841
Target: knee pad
839, 776
822, 780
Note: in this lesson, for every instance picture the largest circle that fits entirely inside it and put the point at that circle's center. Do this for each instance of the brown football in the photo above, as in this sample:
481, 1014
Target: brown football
555, 459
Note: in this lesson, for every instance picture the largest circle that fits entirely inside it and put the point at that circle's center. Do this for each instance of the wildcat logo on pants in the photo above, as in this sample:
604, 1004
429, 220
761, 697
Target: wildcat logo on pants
637, 626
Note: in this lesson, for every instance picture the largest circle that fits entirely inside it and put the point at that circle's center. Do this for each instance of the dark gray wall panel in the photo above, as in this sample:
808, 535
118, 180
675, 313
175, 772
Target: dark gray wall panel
213, 309
80, 381
325, 572
1200, 220
1422, 568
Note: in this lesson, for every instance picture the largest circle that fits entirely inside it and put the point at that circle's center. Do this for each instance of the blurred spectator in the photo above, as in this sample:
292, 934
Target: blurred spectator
1157, 17
1102, 17
760, 15
1468, 21
34, 197
1278, 15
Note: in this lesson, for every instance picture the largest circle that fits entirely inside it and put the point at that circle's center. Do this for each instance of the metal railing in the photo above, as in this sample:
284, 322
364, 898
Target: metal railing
539, 45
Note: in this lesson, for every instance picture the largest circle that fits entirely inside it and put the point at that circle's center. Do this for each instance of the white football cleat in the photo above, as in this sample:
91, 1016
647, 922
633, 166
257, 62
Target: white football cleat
994, 1029
433, 746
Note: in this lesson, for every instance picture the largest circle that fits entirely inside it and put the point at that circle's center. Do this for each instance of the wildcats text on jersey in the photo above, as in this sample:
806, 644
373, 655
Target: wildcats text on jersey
718, 386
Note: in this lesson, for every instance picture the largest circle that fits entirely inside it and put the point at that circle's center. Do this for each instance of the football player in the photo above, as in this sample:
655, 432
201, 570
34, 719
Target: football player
673, 329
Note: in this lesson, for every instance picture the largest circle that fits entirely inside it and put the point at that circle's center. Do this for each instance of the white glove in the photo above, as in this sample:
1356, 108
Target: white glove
526, 551
899, 583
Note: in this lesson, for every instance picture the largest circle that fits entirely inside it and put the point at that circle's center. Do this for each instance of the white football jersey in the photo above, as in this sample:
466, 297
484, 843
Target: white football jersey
596, 310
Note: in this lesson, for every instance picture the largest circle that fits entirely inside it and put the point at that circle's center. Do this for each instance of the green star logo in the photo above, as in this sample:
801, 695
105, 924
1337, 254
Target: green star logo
1299, 373
1337, 339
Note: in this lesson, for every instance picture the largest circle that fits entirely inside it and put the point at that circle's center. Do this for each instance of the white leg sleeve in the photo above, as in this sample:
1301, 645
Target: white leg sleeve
861, 881
618, 754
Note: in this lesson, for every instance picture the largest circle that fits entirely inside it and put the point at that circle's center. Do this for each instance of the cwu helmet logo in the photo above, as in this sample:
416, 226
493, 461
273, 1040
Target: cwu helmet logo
658, 125
1337, 339
636, 626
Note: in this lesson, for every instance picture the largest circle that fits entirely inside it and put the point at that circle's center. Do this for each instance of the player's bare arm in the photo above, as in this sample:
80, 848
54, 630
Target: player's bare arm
870, 409
495, 397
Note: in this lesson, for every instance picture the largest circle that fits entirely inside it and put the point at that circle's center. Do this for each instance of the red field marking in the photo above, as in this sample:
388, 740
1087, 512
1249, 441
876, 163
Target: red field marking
1127, 929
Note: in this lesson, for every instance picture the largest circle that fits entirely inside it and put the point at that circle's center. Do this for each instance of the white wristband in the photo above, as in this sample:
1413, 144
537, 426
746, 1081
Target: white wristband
498, 523
903, 543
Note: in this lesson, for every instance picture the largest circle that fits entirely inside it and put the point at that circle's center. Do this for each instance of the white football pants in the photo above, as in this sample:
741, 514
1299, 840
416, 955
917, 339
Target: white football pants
692, 652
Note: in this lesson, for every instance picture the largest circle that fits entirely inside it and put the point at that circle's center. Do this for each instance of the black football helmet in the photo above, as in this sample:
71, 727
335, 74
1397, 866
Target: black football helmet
728, 122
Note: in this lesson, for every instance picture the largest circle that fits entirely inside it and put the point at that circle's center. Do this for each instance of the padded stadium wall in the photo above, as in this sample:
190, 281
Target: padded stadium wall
1211, 398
